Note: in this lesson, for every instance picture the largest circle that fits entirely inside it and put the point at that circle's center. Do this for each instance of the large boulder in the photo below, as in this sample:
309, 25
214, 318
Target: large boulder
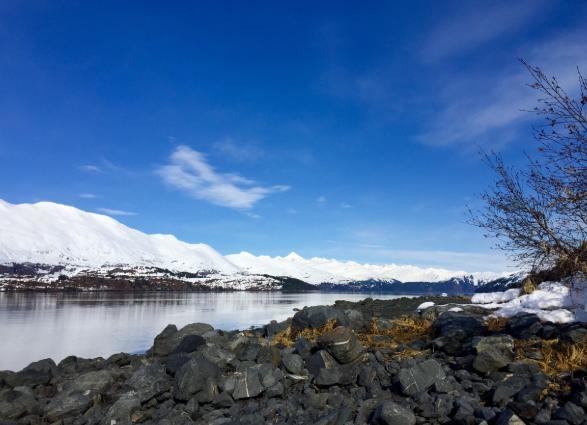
77, 395
336, 375
420, 377
317, 316
197, 375
37, 373
506, 389
120, 413
493, 352
247, 384
17, 403
293, 363
454, 328
458, 325
342, 344
571, 413
391, 413
149, 381
524, 325
170, 338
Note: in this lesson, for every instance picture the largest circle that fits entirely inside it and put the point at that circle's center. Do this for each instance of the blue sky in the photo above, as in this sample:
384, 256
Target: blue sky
346, 130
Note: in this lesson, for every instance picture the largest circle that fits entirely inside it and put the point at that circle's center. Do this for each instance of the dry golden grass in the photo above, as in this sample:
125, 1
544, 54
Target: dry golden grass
496, 324
402, 331
528, 286
287, 337
408, 353
557, 359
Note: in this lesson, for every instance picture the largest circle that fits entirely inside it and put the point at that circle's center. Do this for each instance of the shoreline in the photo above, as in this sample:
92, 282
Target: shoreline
371, 361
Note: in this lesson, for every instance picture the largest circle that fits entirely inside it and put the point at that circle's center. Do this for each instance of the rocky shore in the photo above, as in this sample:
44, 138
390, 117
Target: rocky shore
397, 362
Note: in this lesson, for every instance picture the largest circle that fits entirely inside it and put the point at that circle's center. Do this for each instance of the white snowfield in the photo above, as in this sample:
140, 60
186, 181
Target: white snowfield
55, 234
551, 301
49, 233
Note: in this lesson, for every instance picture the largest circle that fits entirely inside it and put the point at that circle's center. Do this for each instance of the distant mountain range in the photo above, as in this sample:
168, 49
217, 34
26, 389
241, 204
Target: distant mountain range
52, 246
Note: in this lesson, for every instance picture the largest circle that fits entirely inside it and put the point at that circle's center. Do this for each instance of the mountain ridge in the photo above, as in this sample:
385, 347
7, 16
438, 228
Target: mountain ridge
52, 234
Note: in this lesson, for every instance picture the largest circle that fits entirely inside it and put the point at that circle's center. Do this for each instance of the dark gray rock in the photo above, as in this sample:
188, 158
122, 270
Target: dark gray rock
458, 325
316, 317
247, 384
493, 352
523, 325
275, 327
508, 388
269, 354
453, 328
149, 381
342, 344
337, 375
293, 363
420, 377
574, 336
303, 347
319, 360
339, 416
189, 344
571, 413
247, 349
75, 365
77, 395
18, 402
170, 338
356, 321
391, 413
507, 417
120, 412
37, 373
176, 361
447, 385
197, 375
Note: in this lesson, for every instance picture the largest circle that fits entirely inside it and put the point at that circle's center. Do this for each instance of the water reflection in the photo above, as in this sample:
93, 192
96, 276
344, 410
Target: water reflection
35, 326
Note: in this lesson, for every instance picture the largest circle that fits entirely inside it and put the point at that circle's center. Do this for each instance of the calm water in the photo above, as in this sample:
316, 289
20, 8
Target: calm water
36, 326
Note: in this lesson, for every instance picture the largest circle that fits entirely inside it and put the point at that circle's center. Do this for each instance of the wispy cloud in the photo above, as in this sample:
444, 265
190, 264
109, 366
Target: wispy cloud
88, 195
238, 151
189, 171
114, 212
90, 168
321, 199
487, 109
345, 205
478, 24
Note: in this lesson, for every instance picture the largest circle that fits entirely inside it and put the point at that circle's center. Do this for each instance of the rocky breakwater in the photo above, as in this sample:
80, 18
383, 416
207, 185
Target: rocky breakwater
346, 364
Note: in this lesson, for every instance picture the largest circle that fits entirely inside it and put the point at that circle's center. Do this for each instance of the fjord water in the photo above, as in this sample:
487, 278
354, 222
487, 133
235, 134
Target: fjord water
34, 326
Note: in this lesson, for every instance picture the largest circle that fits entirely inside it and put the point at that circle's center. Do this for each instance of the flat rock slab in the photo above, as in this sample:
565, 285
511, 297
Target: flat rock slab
419, 378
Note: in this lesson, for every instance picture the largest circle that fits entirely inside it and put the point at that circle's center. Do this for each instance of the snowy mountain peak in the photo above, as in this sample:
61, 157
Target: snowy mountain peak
294, 257
49, 233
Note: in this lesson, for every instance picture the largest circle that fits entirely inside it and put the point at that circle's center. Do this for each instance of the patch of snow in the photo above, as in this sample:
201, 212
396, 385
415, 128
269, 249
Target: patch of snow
551, 301
455, 309
425, 305
495, 297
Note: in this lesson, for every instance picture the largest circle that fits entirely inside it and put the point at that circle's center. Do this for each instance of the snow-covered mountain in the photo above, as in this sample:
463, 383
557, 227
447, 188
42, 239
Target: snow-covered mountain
49, 233
322, 270
47, 242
